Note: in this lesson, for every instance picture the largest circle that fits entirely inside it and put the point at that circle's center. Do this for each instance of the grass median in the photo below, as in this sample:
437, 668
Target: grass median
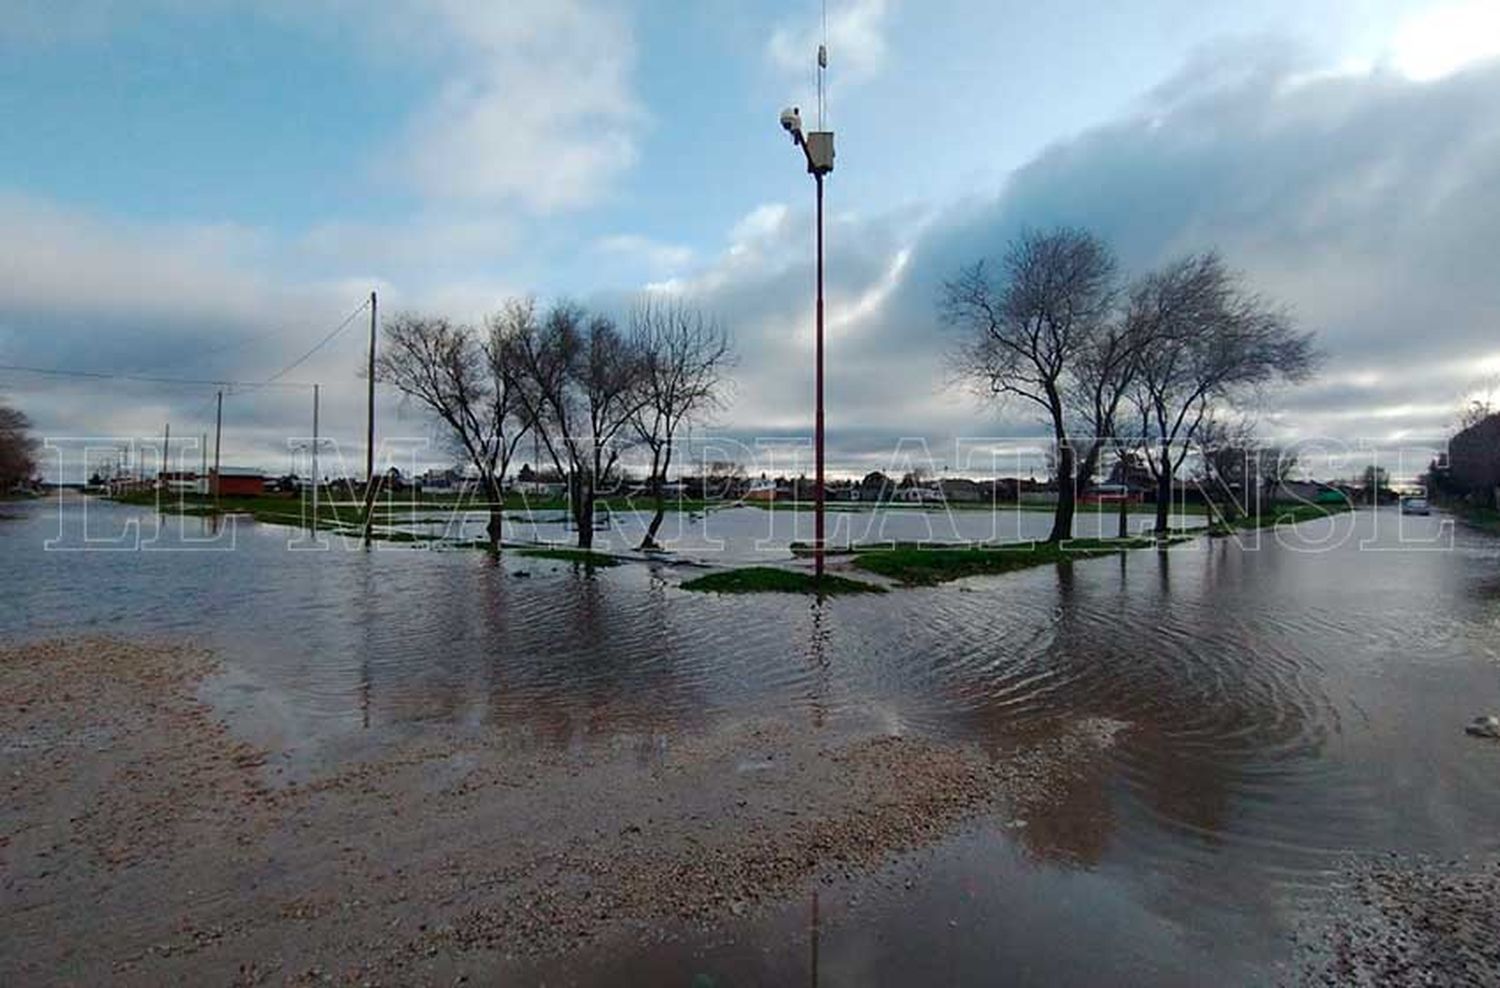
926, 565
769, 579
1281, 514
586, 557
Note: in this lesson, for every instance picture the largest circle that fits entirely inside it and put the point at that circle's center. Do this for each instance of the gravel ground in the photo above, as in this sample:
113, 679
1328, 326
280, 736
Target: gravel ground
141, 843
1406, 922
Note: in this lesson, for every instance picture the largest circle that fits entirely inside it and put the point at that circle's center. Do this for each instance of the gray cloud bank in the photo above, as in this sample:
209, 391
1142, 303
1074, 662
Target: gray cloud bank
1366, 202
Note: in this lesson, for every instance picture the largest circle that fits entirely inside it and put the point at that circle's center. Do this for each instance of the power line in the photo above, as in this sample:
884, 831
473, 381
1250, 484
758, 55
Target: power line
273, 381
320, 345
146, 379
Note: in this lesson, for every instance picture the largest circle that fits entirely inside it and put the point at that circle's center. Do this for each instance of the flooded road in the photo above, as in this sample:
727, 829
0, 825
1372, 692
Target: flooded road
1280, 707
748, 534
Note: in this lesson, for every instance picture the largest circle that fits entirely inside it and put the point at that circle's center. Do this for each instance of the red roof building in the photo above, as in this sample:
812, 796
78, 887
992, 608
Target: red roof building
236, 482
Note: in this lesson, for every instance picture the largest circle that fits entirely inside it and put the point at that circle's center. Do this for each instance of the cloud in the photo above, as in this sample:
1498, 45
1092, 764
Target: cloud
1362, 201
656, 257
856, 42
535, 107
184, 301
435, 246
1446, 37
70, 261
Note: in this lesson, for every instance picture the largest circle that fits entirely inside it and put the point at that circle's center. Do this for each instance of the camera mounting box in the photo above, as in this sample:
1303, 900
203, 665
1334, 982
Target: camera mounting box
820, 152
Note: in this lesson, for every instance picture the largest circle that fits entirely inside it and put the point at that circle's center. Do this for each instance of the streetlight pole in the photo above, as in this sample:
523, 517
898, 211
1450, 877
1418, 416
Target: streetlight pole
817, 147
818, 428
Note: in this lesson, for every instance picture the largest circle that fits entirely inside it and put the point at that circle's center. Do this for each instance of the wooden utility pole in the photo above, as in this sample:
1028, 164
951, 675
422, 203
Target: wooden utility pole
315, 463
218, 437
166, 441
370, 429
203, 470
370, 403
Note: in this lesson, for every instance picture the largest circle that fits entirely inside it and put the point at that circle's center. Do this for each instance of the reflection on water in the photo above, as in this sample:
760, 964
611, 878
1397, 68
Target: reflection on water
1282, 707
745, 534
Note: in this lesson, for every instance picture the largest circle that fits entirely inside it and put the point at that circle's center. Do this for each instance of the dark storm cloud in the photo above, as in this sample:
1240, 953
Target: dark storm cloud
1365, 203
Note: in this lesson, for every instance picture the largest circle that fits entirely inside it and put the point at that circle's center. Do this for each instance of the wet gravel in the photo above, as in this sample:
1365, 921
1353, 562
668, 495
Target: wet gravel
142, 843
1399, 921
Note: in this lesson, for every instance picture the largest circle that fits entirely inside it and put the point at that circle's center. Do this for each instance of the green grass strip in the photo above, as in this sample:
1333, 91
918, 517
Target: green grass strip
769, 579
916, 565
584, 556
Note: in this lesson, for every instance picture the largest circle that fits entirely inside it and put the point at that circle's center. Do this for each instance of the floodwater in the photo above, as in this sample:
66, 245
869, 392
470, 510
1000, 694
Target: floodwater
1287, 704
748, 534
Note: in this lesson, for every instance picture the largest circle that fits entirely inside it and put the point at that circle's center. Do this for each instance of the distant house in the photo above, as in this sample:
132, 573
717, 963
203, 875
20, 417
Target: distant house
125, 483
842, 490
546, 489
1004, 489
444, 482
1133, 476
918, 495
876, 486
1110, 494
182, 482
236, 482
765, 490
671, 490
1305, 491
959, 490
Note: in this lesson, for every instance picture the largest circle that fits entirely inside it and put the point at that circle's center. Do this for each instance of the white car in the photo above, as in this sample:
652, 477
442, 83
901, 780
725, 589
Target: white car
1414, 506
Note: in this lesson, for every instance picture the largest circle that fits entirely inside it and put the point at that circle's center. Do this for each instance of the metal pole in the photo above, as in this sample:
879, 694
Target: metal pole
315, 463
818, 429
166, 441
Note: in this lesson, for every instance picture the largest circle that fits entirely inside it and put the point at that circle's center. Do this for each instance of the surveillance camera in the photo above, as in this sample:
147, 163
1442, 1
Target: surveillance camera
791, 120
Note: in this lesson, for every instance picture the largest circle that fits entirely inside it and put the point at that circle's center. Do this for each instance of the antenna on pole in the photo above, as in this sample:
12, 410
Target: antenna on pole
822, 70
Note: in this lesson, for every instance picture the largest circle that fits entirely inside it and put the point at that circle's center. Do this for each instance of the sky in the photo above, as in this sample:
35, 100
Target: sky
203, 190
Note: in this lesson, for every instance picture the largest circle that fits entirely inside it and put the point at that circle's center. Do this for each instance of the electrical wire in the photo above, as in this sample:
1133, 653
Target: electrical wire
146, 379
273, 381
318, 346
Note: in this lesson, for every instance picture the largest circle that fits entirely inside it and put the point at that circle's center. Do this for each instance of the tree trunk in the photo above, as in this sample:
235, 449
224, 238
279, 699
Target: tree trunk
583, 509
1124, 526
1088, 465
658, 478
495, 499
1163, 492
649, 542
1062, 518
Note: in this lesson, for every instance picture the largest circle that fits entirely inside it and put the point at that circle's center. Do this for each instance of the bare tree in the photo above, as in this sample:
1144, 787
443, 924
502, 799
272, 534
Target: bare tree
1211, 343
1374, 480
17, 449
580, 384
1276, 464
1025, 331
1482, 403
1229, 465
1105, 376
724, 479
683, 355
463, 378
1473, 413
